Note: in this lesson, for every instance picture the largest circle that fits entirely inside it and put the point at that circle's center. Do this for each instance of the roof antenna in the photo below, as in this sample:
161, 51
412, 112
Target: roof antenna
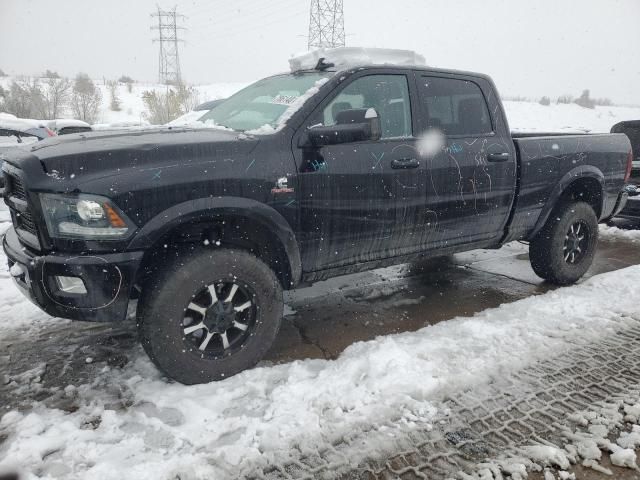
322, 66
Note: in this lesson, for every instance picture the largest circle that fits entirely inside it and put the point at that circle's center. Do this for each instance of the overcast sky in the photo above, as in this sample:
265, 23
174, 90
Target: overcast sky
530, 47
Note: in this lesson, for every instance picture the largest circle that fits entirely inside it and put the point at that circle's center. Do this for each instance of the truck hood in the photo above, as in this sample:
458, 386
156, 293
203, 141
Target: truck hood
98, 154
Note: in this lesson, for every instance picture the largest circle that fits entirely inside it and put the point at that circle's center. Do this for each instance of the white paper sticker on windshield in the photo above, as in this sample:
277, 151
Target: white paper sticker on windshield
284, 99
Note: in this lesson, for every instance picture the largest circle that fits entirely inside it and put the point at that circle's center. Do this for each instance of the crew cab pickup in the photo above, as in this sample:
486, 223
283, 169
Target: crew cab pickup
333, 168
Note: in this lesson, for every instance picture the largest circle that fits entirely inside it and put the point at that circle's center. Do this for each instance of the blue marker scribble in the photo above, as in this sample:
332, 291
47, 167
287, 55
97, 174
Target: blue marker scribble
316, 165
378, 160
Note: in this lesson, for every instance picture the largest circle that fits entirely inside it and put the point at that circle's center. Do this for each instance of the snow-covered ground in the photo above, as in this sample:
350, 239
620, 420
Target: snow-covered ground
531, 116
372, 392
522, 116
611, 233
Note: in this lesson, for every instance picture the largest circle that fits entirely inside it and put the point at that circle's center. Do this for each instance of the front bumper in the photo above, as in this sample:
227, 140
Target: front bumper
108, 280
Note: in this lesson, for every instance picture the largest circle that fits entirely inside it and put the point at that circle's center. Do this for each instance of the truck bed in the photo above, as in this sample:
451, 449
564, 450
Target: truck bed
548, 163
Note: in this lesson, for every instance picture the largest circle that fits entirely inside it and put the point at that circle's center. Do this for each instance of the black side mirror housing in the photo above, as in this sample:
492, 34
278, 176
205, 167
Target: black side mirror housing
356, 125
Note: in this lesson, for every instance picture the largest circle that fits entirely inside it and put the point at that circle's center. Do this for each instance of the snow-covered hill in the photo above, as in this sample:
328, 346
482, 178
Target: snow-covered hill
133, 108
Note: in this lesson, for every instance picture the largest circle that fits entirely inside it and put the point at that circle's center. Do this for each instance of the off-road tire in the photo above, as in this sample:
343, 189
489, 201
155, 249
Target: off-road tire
164, 301
547, 250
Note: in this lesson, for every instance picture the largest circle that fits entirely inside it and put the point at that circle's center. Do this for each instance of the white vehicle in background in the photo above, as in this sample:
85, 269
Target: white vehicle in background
65, 126
19, 132
16, 131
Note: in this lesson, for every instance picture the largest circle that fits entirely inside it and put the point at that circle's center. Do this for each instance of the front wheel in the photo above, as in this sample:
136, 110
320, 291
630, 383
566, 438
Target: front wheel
210, 315
563, 250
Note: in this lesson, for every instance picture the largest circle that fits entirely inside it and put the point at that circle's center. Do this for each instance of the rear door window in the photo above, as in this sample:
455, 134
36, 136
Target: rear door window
457, 107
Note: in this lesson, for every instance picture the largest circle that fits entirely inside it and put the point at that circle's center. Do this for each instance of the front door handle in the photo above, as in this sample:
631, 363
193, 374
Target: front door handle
405, 163
498, 157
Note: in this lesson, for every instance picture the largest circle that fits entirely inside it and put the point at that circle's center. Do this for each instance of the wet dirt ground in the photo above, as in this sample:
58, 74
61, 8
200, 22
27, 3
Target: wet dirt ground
332, 315
321, 320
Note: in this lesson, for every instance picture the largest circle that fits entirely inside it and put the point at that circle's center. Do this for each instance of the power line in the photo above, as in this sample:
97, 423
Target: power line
326, 24
258, 25
238, 16
168, 58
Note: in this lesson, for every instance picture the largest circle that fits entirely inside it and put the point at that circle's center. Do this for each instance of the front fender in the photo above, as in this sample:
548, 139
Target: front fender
581, 172
202, 208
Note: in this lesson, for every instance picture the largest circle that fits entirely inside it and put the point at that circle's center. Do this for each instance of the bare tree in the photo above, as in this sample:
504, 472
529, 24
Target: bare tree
585, 100
167, 106
23, 99
188, 97
55, 97
565, 99
50, 74
85, 99
114, 103
128, 81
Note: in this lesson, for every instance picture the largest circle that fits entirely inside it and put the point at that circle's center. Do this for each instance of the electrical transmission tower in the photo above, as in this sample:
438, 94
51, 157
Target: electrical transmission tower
326, 24
169, 59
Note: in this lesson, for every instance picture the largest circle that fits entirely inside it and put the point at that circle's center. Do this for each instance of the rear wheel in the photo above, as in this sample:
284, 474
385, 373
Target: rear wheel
563, 250
210, 315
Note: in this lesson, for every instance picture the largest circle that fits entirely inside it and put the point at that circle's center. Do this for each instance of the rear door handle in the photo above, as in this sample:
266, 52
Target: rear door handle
498, 157
405, 163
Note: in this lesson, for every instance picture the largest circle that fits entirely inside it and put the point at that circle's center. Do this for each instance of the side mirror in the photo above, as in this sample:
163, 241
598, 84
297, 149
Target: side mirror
355, 125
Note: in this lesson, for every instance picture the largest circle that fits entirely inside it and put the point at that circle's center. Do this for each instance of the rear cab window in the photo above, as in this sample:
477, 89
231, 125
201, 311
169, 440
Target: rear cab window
454, 106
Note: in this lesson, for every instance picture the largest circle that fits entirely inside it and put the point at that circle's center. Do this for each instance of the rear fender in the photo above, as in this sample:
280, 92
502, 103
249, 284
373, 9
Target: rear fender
574, 175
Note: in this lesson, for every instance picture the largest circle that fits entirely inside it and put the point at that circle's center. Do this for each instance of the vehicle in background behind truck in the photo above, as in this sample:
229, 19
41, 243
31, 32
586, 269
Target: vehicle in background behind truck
632, 130
340, 166
19, 133
66, 126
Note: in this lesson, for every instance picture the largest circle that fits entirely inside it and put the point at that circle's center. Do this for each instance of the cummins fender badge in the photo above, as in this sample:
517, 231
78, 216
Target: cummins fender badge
282, 186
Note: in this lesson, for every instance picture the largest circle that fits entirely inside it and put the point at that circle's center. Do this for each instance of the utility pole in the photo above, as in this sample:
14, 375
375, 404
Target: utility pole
168, 38
326, 24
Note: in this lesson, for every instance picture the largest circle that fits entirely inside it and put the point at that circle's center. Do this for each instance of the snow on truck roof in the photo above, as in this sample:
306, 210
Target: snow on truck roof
347, 57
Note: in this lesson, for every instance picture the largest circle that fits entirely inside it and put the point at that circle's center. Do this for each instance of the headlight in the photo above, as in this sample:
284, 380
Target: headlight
84, 216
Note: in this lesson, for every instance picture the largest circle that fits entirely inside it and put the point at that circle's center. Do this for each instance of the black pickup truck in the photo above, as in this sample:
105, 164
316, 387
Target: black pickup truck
303, 176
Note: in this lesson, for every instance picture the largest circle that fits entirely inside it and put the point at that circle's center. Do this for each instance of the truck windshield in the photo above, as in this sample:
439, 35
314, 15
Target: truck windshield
264, 102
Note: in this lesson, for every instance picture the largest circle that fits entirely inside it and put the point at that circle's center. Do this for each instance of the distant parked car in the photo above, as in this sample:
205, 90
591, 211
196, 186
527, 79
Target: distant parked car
65, 126
632, 130
19, 132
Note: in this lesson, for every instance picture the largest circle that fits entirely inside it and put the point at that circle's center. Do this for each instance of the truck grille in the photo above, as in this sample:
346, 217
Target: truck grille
18, 202
15, 187
25, 221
